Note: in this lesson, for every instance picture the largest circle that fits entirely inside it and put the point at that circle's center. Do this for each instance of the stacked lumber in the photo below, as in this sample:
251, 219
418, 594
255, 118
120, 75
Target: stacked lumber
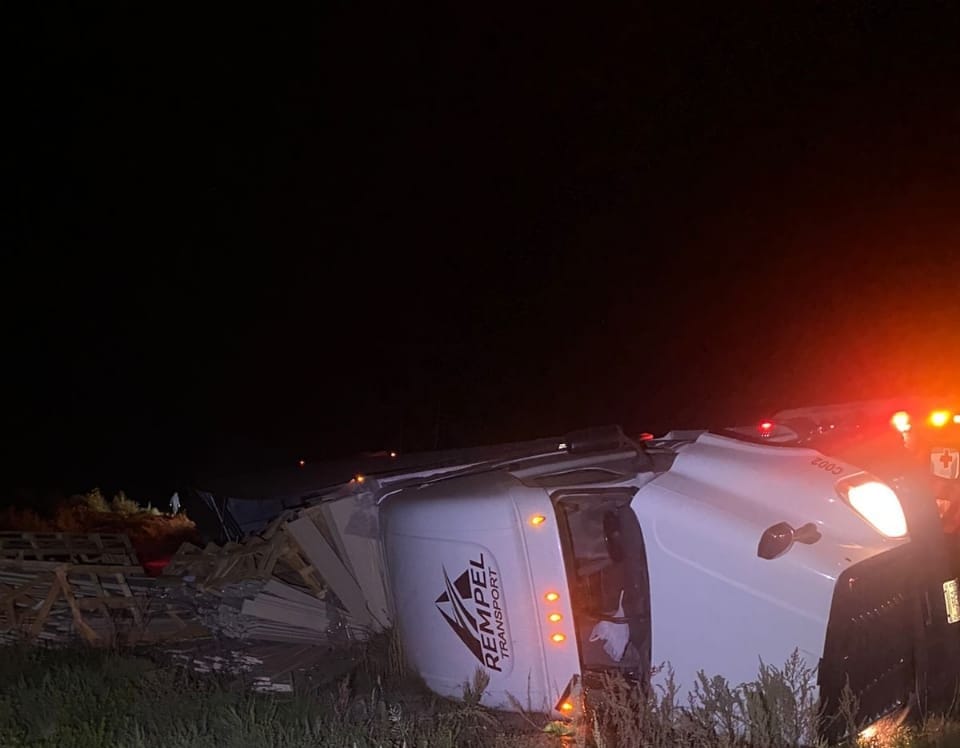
268, 610
100, 604
308, 578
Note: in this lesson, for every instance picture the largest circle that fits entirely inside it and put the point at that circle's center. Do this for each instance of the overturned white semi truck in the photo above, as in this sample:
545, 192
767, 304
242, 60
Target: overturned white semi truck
550, 562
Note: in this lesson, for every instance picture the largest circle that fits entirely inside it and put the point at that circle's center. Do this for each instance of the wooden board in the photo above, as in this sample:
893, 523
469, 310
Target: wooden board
324, 559
363, 556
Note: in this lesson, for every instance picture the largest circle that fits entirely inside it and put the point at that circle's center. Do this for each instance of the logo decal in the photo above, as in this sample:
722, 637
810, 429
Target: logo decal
946, 463
472, 605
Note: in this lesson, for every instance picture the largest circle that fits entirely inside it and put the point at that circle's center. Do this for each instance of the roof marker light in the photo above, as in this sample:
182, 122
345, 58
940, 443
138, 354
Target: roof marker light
554, 618
537, 519
558, 638
551, 597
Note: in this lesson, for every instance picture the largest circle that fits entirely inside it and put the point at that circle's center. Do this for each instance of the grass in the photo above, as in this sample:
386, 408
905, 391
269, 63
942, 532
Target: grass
93, 699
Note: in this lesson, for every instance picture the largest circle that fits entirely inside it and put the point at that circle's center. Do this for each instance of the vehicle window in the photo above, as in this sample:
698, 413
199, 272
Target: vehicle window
607, 567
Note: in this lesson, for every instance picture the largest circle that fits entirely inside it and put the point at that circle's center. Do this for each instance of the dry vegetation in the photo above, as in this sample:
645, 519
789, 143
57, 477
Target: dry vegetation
153, 534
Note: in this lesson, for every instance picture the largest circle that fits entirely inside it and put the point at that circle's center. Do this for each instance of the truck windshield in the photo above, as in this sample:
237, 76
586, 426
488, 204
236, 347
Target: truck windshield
607, 572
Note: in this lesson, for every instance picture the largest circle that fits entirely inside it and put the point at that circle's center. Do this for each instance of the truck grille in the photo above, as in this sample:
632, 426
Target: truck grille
870, 639
886, 623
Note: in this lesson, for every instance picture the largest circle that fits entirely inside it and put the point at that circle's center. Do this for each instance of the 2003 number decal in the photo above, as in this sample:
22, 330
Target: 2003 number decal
824, 464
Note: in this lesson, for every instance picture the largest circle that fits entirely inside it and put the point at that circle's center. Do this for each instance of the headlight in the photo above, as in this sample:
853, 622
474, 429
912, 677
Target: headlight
876, 502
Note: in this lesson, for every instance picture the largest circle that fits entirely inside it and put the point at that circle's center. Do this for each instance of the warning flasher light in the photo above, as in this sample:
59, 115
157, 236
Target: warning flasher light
901, 421
940, 418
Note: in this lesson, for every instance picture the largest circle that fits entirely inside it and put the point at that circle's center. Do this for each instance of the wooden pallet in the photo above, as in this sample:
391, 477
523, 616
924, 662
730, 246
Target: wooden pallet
101, 604
71, 548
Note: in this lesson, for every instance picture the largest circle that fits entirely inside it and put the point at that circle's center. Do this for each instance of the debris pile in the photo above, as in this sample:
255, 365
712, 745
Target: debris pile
266, 666
304, 579
274, 605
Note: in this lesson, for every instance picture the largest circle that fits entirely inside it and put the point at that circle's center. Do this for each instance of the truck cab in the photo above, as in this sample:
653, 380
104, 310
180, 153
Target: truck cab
696, 551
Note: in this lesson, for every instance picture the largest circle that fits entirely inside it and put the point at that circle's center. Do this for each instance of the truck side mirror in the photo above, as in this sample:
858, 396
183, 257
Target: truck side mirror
779, 538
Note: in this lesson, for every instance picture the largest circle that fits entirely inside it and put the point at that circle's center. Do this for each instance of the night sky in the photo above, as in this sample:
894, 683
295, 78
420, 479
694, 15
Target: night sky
235, 239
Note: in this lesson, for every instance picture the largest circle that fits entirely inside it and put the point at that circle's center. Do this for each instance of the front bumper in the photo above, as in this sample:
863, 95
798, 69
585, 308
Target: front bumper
889, 644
